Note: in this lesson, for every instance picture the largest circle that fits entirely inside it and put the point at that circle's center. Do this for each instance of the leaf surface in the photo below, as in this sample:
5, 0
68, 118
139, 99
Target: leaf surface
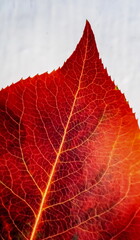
69, 155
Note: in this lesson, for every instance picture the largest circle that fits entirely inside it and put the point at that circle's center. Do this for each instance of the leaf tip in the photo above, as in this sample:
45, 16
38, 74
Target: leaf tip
87, 25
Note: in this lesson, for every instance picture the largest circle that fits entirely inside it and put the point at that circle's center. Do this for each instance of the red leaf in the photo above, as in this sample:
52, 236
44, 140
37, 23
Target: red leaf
70, 155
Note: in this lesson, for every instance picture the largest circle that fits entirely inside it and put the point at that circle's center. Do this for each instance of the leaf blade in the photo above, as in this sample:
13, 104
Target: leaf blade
68, 140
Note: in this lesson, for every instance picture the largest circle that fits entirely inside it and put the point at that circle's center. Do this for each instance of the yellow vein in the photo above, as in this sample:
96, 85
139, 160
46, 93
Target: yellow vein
58, 153
23, 200
22, 154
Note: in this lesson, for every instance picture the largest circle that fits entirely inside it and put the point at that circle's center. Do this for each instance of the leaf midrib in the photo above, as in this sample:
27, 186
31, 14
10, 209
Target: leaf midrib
32, 237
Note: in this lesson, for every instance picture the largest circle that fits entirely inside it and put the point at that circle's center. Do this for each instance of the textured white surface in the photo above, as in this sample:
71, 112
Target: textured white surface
39, 35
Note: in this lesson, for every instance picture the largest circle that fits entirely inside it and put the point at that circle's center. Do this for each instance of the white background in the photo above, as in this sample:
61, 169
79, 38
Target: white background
39, 35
